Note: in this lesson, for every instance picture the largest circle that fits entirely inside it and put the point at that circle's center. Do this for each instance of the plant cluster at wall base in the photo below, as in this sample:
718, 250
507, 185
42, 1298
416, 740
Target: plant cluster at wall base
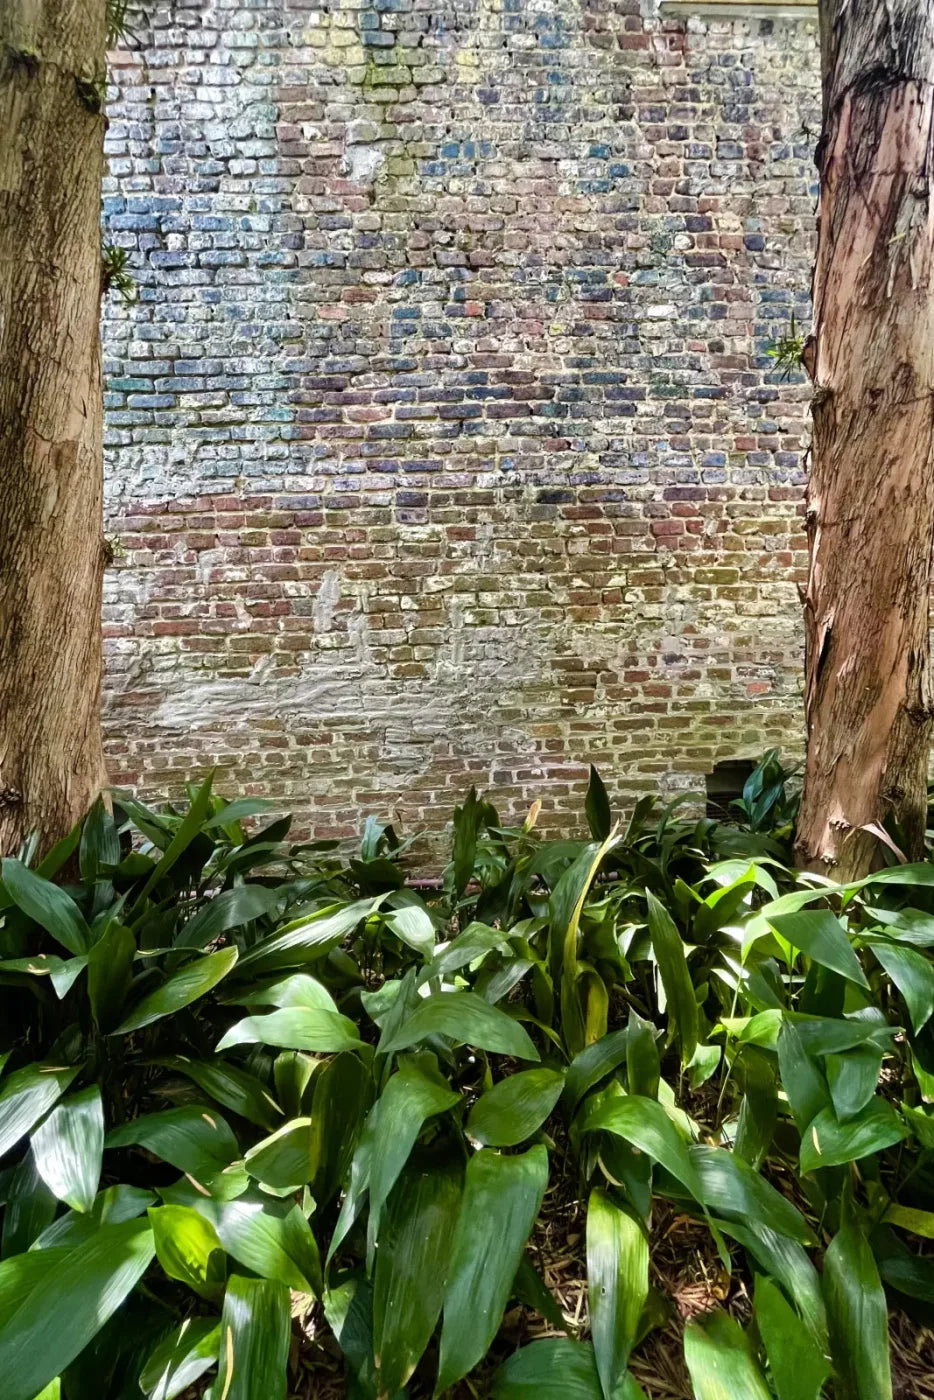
271, 1115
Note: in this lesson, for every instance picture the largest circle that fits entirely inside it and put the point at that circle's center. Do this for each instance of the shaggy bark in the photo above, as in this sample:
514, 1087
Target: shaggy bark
870, 514
51, 543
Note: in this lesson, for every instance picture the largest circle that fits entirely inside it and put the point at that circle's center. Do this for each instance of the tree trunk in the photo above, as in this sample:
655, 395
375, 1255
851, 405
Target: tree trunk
870, 515
51, 542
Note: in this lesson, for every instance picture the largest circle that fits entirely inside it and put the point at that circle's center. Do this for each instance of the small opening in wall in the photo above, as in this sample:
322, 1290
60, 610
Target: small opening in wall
725, 784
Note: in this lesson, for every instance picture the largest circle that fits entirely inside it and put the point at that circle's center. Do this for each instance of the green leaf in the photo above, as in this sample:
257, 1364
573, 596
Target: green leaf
468, 1020
592, 1064
309, 938
919, 1222
504, 1193
567, 906
112, 1207
597, 807
295, 1028
189, 827
30, 1208
644, 1123
231, 1086
110, 973
47, 905
721, 1361
819, 934
181, 1358
254, 1349
617, 1286
272, 1238
668, 948
181, 989
798, 1367
61, 972
530, 1289
100, 842
26, 1095
730, 1187
412, 1263
556, 1369
395, 1121
913, 975
68, 1148
52, 1302
188, 1249
515, 1108
225, 911
805, 1089
283, 1160
857, 1318
829, 1143
193, 1138
467, 823
413, 925
343, 1093
788, 1263
642, 1061
853, 1077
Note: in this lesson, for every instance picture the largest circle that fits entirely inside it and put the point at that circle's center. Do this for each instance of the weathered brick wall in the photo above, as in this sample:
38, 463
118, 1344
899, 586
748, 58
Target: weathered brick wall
443, 446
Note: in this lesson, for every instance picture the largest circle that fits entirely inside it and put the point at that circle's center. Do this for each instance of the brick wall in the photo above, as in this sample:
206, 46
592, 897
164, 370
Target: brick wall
442, 442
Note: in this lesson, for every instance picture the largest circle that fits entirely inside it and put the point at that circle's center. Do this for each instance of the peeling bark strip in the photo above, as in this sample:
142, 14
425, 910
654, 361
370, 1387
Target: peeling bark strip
51, 555
871, 490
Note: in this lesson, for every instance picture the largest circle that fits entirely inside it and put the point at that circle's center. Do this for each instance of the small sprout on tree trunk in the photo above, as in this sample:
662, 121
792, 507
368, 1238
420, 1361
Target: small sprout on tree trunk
114, 274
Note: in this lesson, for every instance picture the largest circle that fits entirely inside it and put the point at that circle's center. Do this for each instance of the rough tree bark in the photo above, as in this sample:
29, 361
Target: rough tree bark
51, 543
870, 513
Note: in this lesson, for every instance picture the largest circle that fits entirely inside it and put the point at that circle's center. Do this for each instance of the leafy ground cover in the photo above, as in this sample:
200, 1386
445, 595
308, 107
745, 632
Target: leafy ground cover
636, 1114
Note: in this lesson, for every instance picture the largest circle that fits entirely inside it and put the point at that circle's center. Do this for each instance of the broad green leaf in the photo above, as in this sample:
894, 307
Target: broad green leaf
47, 905
413, 925
732, 1188
298, 990
231, 1086
225, 911
181, 989
283, 1160
721, 1361
617, 1286
515, 1108
232, 813
857, 1317
112, 1207
919, 1222
803, 1085
681, 1003
188, 1249
295, 1028
270, 1237
68, 1148
26, 1095
110, 972
409, 1099
53, 1391
468, 1020
644, 1123
852, 1078
819, 934
913, 975
193, 1138
100, 842
412, 1261
189, 827
556, 1369
592, 1064
30, 1208
181, 1358
306, 939
821, 1035
343, 1093
597, 807
829, 1143
254, 1347
530, 1288
642, 1059
505, 1193
788, 1263
61, 972
52, 1302
798, 1367
567, 905
468, 821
